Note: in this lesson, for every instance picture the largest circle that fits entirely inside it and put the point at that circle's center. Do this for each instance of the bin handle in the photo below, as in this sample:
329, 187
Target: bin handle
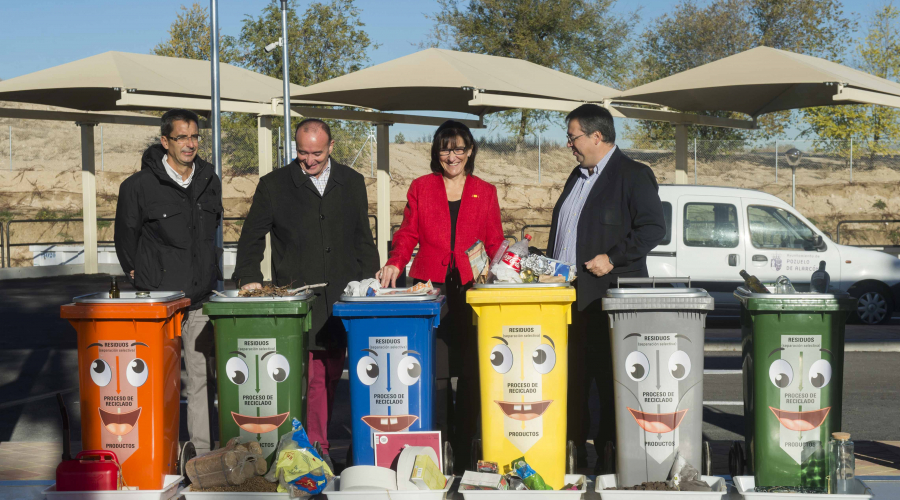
98, 453
652, 281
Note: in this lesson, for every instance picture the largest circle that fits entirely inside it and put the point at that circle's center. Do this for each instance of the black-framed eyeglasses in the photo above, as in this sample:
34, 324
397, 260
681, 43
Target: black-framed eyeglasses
183, 139
456, 151
571, 140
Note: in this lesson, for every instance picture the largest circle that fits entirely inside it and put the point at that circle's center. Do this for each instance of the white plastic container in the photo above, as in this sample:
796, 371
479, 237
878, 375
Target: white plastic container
609, 481
333, 492
518, 494
169, 490
187, 494
746, 484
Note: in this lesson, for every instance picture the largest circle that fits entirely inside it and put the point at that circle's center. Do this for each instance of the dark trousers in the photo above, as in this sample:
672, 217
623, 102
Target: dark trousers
456, 355
590, 361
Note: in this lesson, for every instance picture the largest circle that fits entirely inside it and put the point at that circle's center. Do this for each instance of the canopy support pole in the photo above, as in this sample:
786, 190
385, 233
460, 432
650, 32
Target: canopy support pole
216, 118
383, 190
264, 143
88, 196
681, 154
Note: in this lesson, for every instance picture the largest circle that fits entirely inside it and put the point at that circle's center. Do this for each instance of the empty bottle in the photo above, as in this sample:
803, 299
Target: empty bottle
114, 289
510, 265
783, 285
820, 280
841, 464
753, 283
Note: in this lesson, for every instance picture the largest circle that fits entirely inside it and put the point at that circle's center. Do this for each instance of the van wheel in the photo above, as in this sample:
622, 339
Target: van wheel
873, 306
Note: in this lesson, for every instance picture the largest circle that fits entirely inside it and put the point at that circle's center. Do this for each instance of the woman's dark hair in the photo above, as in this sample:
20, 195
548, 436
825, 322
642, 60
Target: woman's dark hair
445, 137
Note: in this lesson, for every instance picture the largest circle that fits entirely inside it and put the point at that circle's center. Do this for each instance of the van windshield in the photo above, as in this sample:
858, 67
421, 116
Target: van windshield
772, 227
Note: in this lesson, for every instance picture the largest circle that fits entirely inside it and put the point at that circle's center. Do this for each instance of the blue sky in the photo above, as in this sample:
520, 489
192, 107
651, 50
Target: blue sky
45, 33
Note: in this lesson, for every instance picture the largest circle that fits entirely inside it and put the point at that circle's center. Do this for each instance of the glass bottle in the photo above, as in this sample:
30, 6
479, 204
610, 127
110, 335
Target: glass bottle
842, 464
114, 289
783, 285
753, 283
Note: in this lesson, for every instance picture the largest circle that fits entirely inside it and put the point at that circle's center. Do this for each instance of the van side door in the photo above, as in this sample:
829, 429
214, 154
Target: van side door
781, 243
710, 247
661, 260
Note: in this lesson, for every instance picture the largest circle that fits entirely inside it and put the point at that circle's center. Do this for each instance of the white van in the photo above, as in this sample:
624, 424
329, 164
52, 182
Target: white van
714, 232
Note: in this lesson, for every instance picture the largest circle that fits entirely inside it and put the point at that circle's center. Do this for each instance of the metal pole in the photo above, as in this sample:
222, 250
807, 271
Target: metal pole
216, 115
10, 148
372, 140
695, 161
776, 161
286, 82
101, 148
794, 186
851, 160
539, 157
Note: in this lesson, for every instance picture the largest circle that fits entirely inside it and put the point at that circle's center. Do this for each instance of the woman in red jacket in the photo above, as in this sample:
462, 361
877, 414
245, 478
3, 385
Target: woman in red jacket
446, 212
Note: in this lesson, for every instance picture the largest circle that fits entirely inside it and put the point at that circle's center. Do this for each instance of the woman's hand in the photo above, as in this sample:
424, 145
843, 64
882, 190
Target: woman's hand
388, 275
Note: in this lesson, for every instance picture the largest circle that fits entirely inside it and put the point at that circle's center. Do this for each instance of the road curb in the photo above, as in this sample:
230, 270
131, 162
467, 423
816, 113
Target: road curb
717, 345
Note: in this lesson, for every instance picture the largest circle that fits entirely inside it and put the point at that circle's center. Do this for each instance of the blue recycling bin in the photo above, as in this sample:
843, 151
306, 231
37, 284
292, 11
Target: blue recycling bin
390, 346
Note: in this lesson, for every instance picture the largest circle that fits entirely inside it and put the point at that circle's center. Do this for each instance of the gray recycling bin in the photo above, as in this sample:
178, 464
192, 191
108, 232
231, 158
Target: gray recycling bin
657, 337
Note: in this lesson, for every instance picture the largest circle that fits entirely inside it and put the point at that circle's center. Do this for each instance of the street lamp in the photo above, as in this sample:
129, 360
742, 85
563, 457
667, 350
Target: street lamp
793, 157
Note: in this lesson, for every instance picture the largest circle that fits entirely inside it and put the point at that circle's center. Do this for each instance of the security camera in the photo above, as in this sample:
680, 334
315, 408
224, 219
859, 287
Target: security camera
272, 46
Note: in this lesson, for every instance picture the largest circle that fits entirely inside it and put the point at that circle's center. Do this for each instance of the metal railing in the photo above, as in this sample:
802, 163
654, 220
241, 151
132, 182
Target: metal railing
10, 244
2, 246
870, 221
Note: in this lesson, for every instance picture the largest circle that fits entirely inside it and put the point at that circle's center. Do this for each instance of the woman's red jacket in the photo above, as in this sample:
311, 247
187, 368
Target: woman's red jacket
426, 222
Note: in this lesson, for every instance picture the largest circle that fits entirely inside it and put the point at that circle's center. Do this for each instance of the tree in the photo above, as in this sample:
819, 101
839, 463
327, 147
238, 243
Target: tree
327, 41
580, 37
693, 35
873, 128
189, 37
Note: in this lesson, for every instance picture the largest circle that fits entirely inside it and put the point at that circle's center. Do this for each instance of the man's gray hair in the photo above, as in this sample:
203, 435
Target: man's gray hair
593, 118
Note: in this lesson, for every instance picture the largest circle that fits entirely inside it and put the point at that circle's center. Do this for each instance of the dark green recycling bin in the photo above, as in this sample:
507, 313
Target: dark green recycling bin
261, 345
793, 370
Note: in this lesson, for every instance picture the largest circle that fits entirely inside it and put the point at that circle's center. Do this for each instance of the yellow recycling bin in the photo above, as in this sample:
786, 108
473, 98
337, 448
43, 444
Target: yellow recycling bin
523, 366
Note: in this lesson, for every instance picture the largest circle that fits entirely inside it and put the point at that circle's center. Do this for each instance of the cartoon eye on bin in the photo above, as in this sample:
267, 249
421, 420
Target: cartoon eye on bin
278, 368
367, 370
820, 373
101, 374
637, 365
679, 365
137, 372
501, 358
236, 370
781, 374
544, 359
409, 370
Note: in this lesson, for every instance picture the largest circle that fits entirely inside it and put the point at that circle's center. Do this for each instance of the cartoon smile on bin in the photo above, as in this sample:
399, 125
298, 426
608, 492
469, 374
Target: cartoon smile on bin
389, 368
521, 358
799, 370
658, 376
257, 392
118, 372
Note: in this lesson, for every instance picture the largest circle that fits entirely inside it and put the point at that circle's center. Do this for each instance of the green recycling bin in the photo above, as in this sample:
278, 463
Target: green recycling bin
261, 359
793, 371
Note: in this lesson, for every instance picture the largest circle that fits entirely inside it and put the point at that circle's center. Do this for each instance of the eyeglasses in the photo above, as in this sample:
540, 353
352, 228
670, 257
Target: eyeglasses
184, 139
456, 151
571, 140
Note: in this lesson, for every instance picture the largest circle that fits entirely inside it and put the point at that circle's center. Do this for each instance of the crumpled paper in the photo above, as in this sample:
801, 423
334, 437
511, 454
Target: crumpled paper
362, 288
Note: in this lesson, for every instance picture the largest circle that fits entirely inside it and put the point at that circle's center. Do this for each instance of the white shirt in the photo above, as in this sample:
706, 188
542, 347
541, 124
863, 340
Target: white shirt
322, 180
175, 175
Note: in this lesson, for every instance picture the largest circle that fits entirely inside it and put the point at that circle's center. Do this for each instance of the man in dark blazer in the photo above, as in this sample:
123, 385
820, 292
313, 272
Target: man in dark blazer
317, 213
606, 221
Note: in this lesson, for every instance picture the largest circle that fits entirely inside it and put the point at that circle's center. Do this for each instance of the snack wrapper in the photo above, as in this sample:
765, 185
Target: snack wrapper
532, 480
419, 289
298, 468
489, 467
478, 259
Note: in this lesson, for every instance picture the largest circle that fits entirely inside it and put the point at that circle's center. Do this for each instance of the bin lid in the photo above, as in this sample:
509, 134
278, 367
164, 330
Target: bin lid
801, 301
522, 286
128, 298
390, 309
620, 299
232, 296
521, 294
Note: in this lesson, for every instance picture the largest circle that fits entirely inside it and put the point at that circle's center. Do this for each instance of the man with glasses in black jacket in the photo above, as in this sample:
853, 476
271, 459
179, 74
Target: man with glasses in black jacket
165, 235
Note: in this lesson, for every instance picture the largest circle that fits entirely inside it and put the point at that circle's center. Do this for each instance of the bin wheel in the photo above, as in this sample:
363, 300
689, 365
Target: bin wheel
571, 457
475, 456
448, 459
706, 460
736, 460
188, 451
609, 458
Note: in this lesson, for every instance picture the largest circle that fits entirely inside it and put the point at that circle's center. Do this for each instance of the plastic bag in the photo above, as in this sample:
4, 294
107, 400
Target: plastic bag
227, 466
298, 468
685, 477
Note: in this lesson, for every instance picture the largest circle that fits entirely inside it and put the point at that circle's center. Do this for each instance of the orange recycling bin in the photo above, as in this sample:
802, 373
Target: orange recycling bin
129, 376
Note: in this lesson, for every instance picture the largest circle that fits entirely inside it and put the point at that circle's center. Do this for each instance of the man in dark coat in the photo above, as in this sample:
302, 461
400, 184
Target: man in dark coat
165, 235
606, 221
317, 213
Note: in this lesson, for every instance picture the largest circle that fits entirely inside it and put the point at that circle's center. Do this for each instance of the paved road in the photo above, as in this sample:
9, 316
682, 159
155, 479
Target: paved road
37, 359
